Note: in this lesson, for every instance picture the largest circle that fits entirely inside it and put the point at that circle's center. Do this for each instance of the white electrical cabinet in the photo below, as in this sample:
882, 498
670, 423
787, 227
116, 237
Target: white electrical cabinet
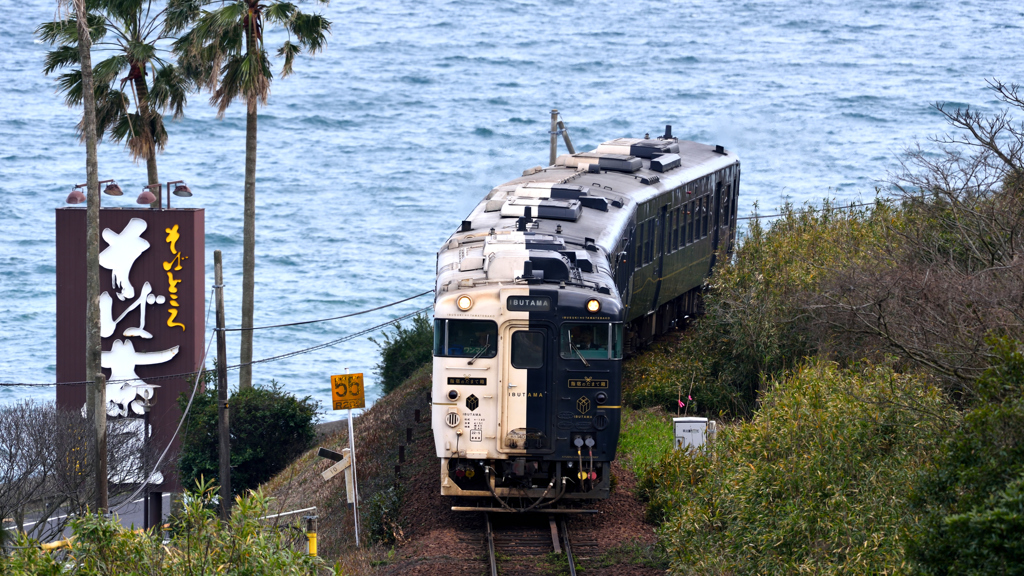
692, 431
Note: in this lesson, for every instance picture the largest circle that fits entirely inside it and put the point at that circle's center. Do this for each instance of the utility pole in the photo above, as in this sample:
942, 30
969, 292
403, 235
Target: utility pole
100, 451
222, 393
554, 136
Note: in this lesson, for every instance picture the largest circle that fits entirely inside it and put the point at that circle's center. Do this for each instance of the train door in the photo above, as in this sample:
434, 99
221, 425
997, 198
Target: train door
526, 370
625, 267
660, 247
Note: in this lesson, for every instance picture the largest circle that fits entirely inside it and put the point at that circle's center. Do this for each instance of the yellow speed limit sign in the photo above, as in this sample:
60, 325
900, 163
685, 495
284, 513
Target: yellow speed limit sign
347, 391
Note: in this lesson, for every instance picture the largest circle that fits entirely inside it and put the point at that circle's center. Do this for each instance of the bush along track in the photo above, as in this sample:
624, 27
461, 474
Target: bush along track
871, 364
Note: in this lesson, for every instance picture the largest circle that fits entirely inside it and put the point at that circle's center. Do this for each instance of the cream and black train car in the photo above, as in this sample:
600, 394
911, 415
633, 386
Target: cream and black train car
541, 291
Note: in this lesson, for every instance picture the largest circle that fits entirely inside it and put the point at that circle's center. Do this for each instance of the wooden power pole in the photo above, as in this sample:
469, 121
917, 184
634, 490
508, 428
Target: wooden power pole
224, 425
100, 451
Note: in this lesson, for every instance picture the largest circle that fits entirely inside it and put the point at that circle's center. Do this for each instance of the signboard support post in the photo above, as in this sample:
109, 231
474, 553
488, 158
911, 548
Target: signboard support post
222, 393
355, 477
347, 392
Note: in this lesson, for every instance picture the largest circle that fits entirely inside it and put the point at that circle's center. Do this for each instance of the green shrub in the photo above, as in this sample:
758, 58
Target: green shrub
383, 516
269, 428
199, 544
972, 498
674, 369
817, 482
403, 351
756, 324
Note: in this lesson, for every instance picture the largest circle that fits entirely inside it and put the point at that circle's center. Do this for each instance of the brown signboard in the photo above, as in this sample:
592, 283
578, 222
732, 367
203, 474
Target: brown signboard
152, 307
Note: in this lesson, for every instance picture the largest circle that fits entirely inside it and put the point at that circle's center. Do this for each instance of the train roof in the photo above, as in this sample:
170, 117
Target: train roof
579, 207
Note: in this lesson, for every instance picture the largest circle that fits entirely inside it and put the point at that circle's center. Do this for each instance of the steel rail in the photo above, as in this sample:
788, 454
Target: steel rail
490, 545
568, 549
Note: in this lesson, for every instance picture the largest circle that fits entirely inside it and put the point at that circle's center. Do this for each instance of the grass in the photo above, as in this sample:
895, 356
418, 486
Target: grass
635, 553
646, 437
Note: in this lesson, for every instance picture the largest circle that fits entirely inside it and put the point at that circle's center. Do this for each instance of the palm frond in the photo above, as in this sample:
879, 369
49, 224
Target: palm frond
107, 71
180, 14
311, 30
228, 16
60, 31
111, 105
70, 84
122, 10
60, 58
281, 12
131, 130
288, 51
158, 132
170, 90
141, 52
245, 76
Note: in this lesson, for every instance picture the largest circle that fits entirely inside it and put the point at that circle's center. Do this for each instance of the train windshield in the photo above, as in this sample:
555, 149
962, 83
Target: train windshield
465, 338
598, 341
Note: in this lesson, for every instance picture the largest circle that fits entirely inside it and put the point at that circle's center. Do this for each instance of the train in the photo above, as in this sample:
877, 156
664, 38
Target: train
544, 288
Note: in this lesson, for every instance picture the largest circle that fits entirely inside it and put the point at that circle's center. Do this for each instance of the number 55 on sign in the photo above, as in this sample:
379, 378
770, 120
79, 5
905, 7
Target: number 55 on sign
347, 391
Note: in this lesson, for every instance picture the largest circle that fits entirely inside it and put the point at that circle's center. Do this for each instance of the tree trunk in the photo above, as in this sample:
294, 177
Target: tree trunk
248, 247
93, 343
142, 90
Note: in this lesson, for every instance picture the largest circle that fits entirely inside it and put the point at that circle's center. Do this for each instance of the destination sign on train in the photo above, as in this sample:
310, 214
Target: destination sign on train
528, 303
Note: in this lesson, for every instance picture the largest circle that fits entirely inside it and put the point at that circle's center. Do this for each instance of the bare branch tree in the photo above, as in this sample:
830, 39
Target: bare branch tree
951, 274
45, 472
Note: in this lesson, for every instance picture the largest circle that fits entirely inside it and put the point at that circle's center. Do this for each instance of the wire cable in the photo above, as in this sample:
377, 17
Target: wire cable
195, 387
335, 342
333, 318
758, 217
265, 360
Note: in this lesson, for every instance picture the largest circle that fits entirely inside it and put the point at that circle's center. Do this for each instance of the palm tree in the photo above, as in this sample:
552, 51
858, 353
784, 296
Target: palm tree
224, 52
135, 35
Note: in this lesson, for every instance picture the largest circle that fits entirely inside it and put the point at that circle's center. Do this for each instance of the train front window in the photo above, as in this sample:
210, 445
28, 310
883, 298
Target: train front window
465, 338
527, 349
590, 341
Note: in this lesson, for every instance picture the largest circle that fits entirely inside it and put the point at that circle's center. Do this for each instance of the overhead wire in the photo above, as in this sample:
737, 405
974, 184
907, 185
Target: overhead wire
195, 387
760, 216
271, 359
300, 323
264, 360
335, 342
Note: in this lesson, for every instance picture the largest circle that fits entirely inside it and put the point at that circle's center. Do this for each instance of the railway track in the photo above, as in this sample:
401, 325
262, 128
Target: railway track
513, 539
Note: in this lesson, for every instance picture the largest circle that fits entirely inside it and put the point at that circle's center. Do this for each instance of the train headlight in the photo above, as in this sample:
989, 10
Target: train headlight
453, 394
593, 306
464, 302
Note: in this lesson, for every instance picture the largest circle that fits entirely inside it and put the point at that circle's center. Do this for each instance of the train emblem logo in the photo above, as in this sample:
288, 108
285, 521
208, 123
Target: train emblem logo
347, 391
472, 402
583, 404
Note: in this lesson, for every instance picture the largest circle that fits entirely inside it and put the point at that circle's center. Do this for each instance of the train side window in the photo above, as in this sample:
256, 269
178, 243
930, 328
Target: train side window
689, 222
617, 340
650, 241
527, 349
466, 338
639, 259
675, 229
706, 212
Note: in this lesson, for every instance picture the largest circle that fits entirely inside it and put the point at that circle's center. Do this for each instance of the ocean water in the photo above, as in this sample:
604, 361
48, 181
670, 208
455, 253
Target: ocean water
373, 151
